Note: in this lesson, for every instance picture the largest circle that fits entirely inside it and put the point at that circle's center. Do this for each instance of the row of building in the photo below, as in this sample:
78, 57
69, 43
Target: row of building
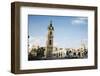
38, 52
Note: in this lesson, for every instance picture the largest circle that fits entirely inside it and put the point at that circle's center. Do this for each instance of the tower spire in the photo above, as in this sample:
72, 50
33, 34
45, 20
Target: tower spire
50, 27
50, 22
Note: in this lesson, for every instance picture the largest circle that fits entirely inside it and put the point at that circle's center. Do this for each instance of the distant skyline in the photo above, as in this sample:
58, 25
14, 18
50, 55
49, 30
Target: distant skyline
69, 31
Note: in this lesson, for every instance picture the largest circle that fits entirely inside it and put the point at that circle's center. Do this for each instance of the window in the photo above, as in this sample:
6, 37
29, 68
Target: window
50, 42
50, 33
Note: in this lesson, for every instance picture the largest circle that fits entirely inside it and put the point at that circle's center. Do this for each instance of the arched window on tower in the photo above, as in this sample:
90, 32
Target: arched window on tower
50, 42
50, 33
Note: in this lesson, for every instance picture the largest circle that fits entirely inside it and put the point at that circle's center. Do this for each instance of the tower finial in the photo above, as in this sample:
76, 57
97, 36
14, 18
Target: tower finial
50, 21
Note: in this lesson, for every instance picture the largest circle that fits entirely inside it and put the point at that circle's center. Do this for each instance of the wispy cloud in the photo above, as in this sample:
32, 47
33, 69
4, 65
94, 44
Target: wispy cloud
79, 21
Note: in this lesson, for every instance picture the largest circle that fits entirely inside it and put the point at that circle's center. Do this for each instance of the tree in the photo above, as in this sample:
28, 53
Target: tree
40, 52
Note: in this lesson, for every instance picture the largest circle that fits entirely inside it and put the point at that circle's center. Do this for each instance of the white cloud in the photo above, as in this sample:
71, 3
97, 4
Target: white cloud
79, 21
37, 41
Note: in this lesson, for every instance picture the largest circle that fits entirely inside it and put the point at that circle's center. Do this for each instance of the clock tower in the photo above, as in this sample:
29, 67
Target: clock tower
49, 43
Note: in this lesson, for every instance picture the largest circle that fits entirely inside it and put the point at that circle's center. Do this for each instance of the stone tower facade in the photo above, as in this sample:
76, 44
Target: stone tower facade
49, 43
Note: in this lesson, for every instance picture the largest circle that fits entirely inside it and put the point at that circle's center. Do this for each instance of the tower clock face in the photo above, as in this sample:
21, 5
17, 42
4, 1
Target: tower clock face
51, 27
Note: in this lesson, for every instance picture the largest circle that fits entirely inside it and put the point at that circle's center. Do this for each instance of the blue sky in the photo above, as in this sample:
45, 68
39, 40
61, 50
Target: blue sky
69, 31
